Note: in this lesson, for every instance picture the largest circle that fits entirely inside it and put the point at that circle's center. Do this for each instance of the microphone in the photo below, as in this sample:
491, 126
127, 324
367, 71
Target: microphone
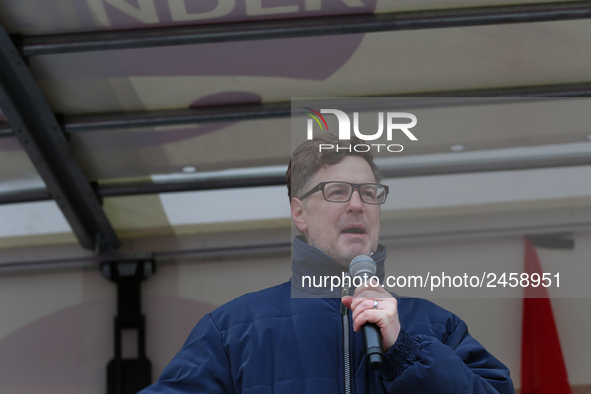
364, 267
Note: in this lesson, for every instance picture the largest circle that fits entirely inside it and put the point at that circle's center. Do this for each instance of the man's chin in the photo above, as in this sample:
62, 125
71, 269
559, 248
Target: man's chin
344, 252
346, 256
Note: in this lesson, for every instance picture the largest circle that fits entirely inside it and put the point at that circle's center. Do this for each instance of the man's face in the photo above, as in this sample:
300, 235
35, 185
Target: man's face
341, 230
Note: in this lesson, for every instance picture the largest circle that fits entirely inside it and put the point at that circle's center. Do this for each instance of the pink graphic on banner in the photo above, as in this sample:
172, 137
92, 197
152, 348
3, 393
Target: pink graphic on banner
314, 58
66, 352
122, 140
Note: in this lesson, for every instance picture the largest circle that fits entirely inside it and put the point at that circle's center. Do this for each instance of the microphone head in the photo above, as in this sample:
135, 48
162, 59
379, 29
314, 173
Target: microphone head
361, 265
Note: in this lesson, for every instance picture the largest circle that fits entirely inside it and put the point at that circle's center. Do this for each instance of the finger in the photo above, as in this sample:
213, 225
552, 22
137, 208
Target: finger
365, 295
347, 300
363, 303
375, 305
361, 306
369, 316
389, 307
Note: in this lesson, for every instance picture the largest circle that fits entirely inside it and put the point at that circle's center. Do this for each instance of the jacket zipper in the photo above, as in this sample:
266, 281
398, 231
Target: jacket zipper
346, 342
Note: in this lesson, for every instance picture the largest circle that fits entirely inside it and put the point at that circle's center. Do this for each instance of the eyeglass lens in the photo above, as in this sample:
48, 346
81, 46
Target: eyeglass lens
340, 192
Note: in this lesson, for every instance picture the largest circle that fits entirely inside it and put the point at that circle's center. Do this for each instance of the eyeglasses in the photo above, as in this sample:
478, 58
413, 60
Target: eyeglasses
335, 191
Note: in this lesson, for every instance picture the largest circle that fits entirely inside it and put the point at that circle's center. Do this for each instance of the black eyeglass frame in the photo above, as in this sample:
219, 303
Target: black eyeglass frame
354, 186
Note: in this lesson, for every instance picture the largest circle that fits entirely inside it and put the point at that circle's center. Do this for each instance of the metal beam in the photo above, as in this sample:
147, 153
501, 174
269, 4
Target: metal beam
232, 113
142, 188
303, 27
278, 248
41, 136
25, 196
131, 189
228, 113
225, 113
164, 257
507, 159
565, 155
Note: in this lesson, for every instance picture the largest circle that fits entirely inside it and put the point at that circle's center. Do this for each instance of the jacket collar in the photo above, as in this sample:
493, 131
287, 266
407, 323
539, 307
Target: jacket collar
309, 261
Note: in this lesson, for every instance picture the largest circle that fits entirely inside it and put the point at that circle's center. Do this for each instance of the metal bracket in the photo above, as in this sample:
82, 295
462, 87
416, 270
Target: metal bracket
129, 375
564, 241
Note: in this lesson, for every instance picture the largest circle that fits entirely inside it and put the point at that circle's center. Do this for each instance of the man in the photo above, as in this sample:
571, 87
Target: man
297, 339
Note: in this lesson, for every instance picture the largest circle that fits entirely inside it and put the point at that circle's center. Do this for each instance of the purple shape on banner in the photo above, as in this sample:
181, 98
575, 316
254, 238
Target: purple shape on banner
227, 98
66, 352
121, 140
314, 58
139, 139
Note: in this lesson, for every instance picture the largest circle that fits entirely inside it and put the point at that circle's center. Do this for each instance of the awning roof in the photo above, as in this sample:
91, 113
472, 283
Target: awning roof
135, 114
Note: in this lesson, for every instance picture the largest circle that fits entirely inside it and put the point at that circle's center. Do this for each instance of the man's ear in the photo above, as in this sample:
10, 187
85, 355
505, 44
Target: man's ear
298, 214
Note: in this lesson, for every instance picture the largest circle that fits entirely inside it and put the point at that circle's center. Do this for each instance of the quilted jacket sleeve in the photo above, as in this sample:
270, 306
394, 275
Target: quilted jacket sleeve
458, 364
201, 366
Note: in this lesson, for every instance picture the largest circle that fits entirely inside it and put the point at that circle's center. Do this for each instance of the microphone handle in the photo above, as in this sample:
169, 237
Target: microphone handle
372, 339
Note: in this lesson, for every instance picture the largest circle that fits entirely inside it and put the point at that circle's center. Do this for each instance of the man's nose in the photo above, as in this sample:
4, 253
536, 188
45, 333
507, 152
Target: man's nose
355, 203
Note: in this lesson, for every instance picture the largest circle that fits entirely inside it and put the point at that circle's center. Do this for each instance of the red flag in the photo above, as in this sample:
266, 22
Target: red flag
542, 365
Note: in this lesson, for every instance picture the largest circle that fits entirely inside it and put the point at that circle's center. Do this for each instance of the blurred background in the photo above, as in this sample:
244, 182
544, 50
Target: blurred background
146, 141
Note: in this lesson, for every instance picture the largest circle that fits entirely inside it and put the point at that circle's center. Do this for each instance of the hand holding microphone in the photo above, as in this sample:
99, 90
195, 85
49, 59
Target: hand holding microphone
374, 309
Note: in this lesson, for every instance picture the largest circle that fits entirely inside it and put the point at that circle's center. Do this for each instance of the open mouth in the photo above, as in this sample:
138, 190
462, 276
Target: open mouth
354, 230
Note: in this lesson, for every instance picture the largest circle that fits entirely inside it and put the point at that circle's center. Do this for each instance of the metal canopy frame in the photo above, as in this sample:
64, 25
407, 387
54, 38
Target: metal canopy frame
41, 136
99, 122
460, 163
303, 27
226, 113
43, 139
289, 28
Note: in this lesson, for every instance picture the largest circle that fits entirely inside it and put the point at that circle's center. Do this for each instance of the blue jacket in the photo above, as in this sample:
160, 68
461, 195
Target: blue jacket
280, 340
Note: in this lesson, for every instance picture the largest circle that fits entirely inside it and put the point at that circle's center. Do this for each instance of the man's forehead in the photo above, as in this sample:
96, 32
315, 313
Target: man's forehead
351, 168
